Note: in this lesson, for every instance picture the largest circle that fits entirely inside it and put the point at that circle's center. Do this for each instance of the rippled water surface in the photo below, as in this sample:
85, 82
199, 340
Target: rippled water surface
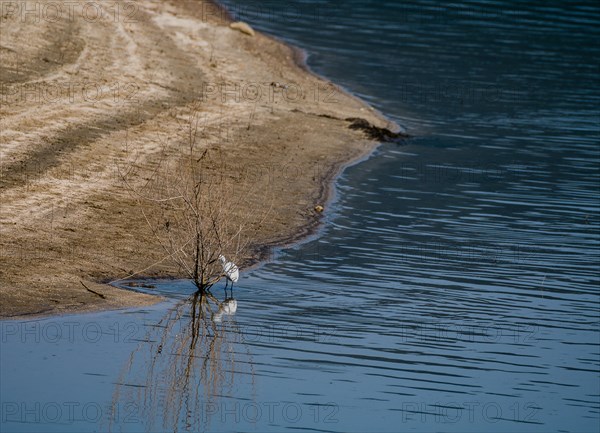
452, 287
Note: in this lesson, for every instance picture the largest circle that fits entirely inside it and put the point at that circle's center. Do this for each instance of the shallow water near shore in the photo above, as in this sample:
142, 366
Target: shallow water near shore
452, 287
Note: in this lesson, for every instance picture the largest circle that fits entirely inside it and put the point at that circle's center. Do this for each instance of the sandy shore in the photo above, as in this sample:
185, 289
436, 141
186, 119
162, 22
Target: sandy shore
87, 92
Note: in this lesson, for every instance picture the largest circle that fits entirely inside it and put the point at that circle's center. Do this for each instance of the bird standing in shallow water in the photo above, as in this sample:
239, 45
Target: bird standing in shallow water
232, 272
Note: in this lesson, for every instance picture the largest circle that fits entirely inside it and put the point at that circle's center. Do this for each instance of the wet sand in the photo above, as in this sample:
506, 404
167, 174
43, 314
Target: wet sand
86, 92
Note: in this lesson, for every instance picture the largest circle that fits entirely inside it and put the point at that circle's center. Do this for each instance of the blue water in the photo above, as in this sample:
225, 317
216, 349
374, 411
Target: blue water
452, 287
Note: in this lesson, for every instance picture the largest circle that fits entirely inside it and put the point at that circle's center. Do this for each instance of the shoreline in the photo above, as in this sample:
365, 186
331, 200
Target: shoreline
104, 233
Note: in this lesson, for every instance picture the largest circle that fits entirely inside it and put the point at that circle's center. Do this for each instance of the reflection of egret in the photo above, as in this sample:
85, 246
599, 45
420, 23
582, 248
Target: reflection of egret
232, 272
227, 308
186, 363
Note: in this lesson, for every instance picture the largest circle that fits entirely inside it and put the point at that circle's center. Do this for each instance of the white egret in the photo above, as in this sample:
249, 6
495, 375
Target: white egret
232, 272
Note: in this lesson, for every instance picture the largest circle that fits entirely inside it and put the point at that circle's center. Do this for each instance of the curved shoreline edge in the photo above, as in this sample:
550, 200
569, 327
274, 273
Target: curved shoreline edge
102, 233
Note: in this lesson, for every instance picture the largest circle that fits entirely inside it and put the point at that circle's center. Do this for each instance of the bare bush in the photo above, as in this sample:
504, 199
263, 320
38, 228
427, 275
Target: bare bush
196, 207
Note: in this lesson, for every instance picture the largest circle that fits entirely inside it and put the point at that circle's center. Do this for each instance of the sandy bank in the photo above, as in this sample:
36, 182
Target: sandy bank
85, 93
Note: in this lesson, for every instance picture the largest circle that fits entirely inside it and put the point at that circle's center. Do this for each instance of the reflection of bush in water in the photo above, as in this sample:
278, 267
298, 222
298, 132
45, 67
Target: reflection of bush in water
186, 364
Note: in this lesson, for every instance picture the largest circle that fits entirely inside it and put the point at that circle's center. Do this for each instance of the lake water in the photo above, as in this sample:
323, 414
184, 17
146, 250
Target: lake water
452, 287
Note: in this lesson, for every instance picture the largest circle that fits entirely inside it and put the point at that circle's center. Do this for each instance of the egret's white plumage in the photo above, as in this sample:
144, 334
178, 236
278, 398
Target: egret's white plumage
230, 269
